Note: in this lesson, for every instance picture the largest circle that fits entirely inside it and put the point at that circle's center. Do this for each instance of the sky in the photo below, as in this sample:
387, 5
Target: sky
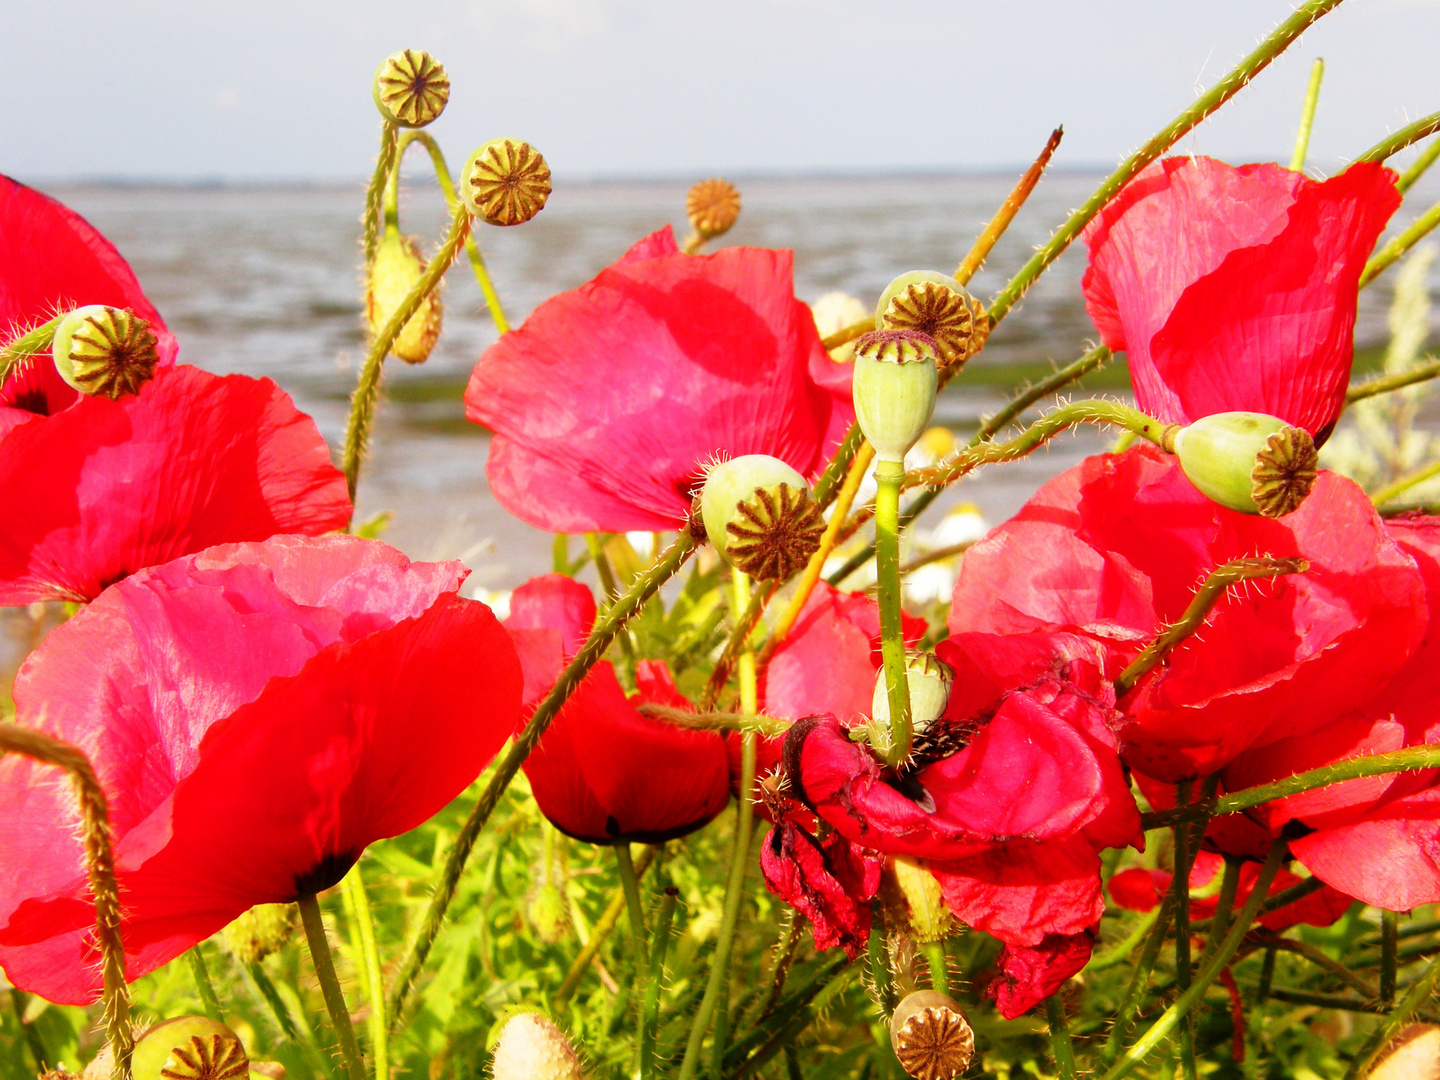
280, 89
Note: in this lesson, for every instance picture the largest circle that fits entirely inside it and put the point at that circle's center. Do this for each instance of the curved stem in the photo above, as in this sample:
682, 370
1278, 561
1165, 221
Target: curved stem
35, 340
1406, 136
334, 997
1418, 167
1203, 106
611, 623
367, 390
1139, 980
1413, 233
100, 872
889, 475
385, 162
209, 1002
1386, 383
1307, 115
370, 954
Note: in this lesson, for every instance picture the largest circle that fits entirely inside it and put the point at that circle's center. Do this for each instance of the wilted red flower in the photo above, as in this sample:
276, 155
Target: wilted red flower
1235, 288
1375, 837
830, 882
1030, 974
602, 772
609, 400
109, 487
257, 715
1113, 550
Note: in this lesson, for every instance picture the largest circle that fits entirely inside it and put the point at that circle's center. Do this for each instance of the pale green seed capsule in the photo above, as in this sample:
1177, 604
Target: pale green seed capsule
894, 390
929, 679
264, 929
937, 306
411, 88
760, 517
190, 1048
505, 182
1247, 461
104, 351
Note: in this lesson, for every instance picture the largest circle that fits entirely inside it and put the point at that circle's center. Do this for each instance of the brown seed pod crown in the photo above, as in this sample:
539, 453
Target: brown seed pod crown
411, 88
713, 207
506, 182
1284, 472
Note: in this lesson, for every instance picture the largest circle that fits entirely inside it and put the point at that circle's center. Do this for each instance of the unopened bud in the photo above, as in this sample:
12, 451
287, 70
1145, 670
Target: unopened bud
912, 895
1413, 1055
1250, 462
531, 1047
396, 268
411, 88
760, 517
104, 351
894, 390
929, 679
546, 912
936, 306
713, 206
264, 929
505, 182
931, 1036
190, 1048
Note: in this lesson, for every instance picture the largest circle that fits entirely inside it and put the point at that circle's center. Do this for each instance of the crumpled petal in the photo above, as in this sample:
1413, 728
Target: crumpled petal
1029, 975
830, 882
610, 398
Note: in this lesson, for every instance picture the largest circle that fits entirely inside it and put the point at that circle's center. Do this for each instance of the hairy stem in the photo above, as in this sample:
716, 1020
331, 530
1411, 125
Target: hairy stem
1060, 1044
354, 885
1307, 115
1406, 136
329, 982
889, 475
1417, 995
1139, 981
650, 1004
1386, 383
738, 642
385, 162
1418, 167
939, 967
1413, 233
209, 1002
603, 926
35, 340
985, 242
630, 886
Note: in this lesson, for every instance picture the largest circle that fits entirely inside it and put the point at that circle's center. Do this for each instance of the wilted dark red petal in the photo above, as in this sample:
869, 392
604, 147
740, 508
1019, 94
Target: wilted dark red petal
831, 884
1235, 288
1019, 892
554, 602
1030, 975
191, 461
608, 400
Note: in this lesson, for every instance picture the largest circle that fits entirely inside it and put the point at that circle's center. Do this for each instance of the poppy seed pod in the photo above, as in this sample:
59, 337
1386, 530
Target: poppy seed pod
1414, 1054
931, 1036
104, 351
190, 1048
760, 517
929, 679
393, 273
262, 930
505, 182
531, 1047
713, 207
411, 88
936, 306
1250, 462
894, 390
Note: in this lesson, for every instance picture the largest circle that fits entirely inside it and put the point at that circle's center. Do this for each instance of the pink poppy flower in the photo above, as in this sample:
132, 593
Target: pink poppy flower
602, 772
610, 399
257, 714
109, 487
1112, 551
1235, 288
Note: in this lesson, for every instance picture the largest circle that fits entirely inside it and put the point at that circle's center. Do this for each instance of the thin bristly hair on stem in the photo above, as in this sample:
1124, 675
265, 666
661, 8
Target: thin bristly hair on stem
714, 721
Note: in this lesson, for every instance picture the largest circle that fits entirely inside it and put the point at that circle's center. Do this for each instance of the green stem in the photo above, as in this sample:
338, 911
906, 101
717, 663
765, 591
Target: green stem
1307, 115
1267, 975
370, 953
1416, 996
1418, 167
1406, 136
738, 641
939, 967
1060, 1044
367, 390
889, 475
27, 345
1389, 943
630, 885
1138, 982
650, 1004
1320, 960
606, 627
879, 961
1118, 954
334, 997
720, 1037
1202, 107
272, 998
828, 486
1412, 234
203, 986
385, 162
1180, 888
1229, 887
1386, 383
601, 931
1208, 972
730, 915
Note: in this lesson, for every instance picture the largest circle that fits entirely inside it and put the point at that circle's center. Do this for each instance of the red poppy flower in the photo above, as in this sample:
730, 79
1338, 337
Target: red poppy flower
110, 487
1113, 549
1030, 974
1235, 288
602, 772
609, 400
1374, 838
830, 882
257, 715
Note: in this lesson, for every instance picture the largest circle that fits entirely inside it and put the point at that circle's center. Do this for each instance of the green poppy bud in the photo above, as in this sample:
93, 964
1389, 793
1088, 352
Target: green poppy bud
396, 268
760, 517
104, 351
505, 182
531, 1047
190, 1048
894, 390
913, 898
938, 307
931, 1036
929, 679
1250, 462
264, 929
411, 88
546, 911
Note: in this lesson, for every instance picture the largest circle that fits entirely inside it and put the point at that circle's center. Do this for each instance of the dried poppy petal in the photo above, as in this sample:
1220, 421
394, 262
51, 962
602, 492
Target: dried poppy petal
830, 882
1030, 974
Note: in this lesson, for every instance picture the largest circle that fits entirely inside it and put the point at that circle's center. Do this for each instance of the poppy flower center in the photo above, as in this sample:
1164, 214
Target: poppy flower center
325, 874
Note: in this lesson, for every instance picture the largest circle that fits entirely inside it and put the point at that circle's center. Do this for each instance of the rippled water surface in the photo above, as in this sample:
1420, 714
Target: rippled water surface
265, 281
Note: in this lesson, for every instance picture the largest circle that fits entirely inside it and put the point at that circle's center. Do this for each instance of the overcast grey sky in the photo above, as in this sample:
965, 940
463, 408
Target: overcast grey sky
280, 89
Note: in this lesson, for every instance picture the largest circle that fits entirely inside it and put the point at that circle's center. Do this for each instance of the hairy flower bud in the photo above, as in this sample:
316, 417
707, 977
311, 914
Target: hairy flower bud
505, 182
1414, 1054
411, 88
1250, 462
929, 679
190, 1048
262, 930
760, 517
913, 899
396, 268
894, 390
105, 351
531, 1047
938, 307
713, 206
931, 1036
